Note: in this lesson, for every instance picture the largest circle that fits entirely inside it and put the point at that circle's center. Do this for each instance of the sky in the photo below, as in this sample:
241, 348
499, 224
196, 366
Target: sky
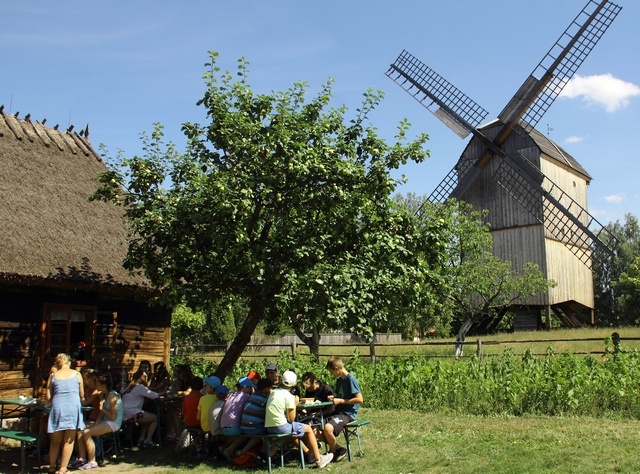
123, 66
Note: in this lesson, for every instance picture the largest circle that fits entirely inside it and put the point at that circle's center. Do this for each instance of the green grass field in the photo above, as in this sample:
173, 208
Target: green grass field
404, 442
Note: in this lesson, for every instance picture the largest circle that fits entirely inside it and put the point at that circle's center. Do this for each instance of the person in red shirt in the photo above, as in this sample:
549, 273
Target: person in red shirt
190, 403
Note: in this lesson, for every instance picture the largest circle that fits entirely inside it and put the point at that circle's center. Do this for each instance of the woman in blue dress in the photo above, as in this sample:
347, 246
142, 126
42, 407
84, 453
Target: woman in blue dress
65, 391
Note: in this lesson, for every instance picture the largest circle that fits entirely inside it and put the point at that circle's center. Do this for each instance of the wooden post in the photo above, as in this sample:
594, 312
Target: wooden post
372, 351
479, 349
293, 349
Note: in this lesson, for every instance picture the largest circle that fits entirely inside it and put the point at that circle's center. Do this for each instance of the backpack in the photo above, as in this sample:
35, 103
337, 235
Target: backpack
247, 460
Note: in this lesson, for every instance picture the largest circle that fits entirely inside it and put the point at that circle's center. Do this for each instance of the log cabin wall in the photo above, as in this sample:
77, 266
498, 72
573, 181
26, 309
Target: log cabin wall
125, 332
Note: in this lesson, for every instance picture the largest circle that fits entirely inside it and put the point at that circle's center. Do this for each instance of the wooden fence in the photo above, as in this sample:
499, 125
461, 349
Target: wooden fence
437, 349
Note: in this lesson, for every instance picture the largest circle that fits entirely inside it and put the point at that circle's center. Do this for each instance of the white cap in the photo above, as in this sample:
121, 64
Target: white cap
289, 378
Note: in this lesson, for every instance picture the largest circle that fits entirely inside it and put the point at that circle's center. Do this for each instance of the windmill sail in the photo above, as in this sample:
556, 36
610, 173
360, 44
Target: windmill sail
559, 65
564, 219
450, 105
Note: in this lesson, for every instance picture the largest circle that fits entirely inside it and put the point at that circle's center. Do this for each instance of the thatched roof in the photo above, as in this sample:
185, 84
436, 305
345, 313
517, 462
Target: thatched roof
50, 234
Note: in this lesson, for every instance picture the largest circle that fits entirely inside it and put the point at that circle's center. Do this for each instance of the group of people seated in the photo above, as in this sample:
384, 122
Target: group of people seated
109, 400
271, 405
258, 405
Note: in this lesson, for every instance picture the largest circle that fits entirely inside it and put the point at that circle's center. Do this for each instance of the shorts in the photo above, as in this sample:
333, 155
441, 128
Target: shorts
112, 424
233, 431
254, 431
295, 428
136, 418
338, 422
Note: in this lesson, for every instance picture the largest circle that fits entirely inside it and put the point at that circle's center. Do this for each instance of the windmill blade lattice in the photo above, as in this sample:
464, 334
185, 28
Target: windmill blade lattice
559, 65
561, 215
450, 105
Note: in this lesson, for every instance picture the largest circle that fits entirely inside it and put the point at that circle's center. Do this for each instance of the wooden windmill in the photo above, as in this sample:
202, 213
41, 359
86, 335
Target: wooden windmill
534, 190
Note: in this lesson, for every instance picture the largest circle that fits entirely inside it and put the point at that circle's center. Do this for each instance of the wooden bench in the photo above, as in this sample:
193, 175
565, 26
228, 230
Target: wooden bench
277, 439
26, 439
353, 429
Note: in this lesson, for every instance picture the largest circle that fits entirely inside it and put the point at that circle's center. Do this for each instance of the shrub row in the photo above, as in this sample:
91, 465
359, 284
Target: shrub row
509, 384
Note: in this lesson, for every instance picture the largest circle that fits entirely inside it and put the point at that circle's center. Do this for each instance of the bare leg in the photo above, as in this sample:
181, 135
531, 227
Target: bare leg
54, 448
69, 437
149, 423
330, 438
80, 447
87, 436
312, 442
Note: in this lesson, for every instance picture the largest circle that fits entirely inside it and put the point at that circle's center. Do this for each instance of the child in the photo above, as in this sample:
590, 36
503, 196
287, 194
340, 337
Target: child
281, 414
216, 410
232, 413
133, 398
190, 403
216, 440
347, 400
207, 400
252, 421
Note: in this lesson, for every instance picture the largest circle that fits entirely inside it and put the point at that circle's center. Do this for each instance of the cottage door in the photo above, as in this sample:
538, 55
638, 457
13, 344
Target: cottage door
68, 329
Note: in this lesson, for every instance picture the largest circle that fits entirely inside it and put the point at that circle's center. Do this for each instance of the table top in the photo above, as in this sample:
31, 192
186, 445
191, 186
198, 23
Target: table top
21, 401
316, 404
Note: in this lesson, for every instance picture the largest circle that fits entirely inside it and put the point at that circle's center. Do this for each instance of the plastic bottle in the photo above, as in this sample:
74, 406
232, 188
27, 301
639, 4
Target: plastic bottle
124, 383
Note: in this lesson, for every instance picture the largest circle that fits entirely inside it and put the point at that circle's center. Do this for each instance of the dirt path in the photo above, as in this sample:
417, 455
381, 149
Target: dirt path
138, 461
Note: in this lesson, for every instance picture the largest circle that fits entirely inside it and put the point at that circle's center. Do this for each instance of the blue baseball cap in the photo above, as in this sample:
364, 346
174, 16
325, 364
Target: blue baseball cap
212, 381
245, 382
222, 390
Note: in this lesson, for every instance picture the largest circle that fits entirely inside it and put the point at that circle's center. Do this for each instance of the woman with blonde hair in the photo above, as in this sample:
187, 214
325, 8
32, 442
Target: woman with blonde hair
65, 391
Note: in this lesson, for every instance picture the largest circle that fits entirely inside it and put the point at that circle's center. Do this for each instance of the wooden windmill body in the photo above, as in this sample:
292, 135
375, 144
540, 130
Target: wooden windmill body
535, 192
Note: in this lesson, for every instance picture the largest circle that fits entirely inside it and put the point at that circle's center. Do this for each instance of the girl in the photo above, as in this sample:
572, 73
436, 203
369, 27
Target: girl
134, 396
109, 420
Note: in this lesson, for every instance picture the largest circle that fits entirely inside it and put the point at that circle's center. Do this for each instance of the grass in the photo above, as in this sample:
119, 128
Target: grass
404, 442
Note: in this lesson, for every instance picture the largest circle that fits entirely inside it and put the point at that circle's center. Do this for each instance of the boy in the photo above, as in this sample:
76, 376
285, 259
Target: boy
347, 400
281, 414
216, 438
231, 416
190, 403
207, 400
252, 421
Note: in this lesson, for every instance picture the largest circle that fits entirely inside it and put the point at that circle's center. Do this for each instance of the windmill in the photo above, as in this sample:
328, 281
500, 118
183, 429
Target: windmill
534, 190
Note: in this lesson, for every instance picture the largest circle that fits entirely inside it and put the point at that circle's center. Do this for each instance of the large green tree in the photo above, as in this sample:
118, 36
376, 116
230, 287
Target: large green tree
610, 307
474, 283
280, 201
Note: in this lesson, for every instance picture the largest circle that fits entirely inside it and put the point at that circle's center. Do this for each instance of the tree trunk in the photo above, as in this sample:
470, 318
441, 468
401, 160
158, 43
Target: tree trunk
312, 342
242, 339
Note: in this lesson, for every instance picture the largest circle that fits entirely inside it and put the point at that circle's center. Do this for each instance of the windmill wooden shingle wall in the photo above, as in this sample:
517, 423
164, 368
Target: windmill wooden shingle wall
61, 275
517, 234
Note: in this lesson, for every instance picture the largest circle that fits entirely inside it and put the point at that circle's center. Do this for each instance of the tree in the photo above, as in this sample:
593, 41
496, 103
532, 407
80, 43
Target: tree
609, 306
475, 282
276, 201
628, 290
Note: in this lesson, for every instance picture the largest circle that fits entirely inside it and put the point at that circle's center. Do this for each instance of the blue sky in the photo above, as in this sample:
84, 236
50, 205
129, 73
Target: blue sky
121, 66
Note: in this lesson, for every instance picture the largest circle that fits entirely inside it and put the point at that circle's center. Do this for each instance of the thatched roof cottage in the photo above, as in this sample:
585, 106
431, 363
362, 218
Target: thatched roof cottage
62, 283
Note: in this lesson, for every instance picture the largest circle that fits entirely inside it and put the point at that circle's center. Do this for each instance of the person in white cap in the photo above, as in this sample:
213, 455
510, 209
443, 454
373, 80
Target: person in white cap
281, 414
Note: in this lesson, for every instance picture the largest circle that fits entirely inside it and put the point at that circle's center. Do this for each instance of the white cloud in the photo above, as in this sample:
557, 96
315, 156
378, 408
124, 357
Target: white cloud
615, 198
574, 139
602, 90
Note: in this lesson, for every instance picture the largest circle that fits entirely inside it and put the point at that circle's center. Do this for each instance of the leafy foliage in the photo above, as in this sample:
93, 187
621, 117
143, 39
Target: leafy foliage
613, 303
279, 202
473, 283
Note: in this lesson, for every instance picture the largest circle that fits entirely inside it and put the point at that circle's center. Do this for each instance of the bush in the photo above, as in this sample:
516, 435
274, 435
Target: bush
509, 384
